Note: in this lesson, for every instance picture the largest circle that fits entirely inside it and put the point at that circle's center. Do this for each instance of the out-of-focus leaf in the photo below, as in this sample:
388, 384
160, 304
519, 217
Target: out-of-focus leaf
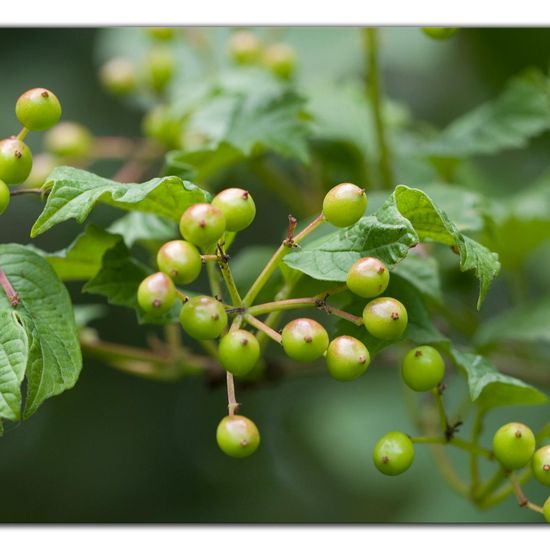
139, 227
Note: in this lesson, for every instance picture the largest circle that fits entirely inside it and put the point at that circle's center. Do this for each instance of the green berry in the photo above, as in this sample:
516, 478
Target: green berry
42, 166
239, 352
38, 109
181, 260
69, 139
244, 47
347, 358
4, 197
304, 339
439, 33
238, 208
368, 277
15, 161
393, 454
385, 318
203, 318
280, 59
202, 224
164, 34
546, 510
423, 368
344, 204
237, 436
159, 69
156, 293
118, 76
159, 125
514, 445
541, 465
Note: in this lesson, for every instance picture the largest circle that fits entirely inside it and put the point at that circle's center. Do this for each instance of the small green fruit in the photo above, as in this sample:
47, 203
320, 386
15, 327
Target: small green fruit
368, 277
4, 197
42, 166
118, 76
156, 293
203, 318
237, 206
347, 358
181, 260
541, 464
202, 224
160, 125
546, 510
38, 109
237, 436
385, 318
514, 445
280, 59
439, 33
239, 352
69, 139
159, 68
344, 204
304, 339
163, 34
393, 454
15, 161
245, 47
423, 368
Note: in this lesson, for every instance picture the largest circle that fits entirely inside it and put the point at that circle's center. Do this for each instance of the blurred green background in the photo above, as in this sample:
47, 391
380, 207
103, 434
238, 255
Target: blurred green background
122, 449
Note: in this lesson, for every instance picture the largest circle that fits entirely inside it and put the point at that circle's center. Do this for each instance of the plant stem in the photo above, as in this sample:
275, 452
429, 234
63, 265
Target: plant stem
474, 467
275, 260
22, 134
209, 258
373, 85
25, 192
12, 296
494, 499
441, 410
228, 278
213, 280
232, 405
455, 442
523, 501
256, 323
489, 488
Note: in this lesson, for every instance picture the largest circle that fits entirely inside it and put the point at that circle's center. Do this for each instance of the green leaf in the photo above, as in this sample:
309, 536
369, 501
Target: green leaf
146, 228
408, 217
520, 113
490, 388
82, 258
423, 273
74, 193
45, 310
14, 351
84, 313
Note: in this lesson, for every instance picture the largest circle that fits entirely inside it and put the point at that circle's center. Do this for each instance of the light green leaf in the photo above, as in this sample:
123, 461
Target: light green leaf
14, 350
520, 113
139, 227
490, 388
423, 273
54, 358
74, 193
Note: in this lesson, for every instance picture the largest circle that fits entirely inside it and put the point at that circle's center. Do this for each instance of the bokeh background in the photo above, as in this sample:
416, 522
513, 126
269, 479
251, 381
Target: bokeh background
122, 449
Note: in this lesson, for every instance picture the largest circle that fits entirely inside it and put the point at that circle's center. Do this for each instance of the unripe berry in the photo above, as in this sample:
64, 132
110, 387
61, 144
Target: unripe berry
159, 68
344, 204
4, 197
439, 33
118, 76
514, 445
423, 368
393, 453
15, 161
546, 510
237, 436
42, 166
158, 124
347, 358
541, 465
237, 206
38, 109
203, 318
156, 293
202, 224
304, 339
69, 139
181, 260
385, 318
368, 277
164, 34
280, 59
244, 47
239, 352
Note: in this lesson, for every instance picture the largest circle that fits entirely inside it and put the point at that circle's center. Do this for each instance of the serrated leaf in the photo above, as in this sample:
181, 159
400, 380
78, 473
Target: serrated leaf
14, 350
74, 193
54, 358
140, 227
520, 113
490, 388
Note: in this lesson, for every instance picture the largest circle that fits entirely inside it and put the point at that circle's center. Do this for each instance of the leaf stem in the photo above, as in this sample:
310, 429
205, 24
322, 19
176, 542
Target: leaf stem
256, 323
34, 191
12, 296
373, 85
